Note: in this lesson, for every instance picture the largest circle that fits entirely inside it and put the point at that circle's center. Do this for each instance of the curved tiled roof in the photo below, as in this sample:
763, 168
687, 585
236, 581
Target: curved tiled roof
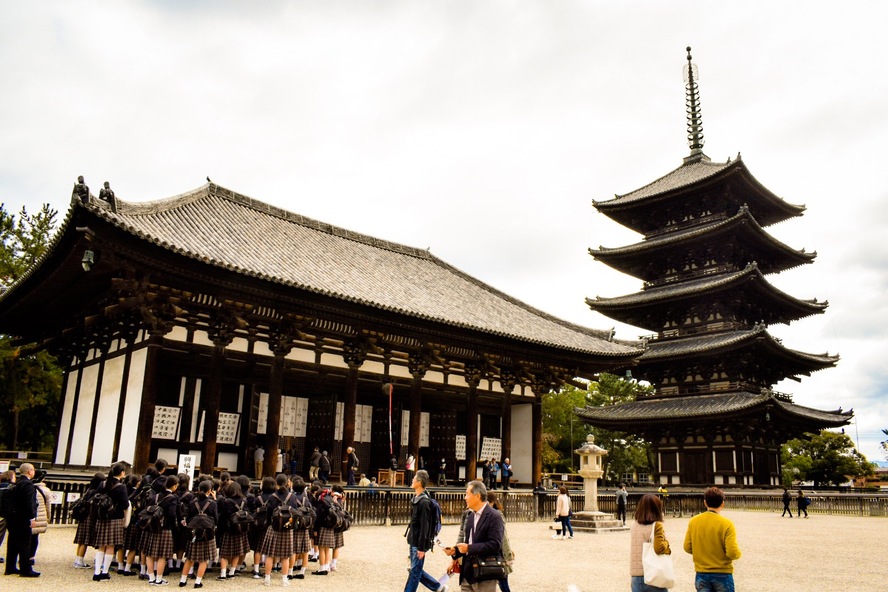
685, 175
222, 228
634, 258
705, 285
722, 342
704, 406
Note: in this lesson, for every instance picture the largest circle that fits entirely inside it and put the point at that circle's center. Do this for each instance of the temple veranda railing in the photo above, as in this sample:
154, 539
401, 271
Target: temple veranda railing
383, 506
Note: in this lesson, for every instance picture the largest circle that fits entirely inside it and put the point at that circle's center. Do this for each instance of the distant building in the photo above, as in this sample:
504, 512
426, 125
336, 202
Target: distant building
713, 417
211, 322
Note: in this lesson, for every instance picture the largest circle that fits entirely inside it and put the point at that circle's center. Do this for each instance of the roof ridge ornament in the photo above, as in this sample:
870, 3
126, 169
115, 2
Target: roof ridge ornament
692, 108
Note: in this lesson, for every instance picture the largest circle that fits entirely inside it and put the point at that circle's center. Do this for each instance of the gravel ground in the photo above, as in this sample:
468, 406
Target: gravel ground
822, 553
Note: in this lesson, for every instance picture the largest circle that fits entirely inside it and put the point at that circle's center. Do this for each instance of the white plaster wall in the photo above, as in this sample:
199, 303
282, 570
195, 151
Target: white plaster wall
178, 333
300, 355
333, 360
127, 446
83, 421
103, 444
67, 408
522, 442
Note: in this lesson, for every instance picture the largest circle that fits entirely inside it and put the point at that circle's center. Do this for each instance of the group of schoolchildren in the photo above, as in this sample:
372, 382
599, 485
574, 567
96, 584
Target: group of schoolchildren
155, 525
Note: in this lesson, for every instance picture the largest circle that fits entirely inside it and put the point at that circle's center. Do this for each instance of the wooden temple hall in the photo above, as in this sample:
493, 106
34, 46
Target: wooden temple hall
704, 262
210, 323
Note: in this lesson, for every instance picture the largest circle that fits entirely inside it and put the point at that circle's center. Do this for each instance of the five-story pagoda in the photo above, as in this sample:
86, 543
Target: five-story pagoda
713, 417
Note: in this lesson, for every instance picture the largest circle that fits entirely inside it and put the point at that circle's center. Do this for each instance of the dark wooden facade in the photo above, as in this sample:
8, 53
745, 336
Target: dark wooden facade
195, 324
714, 417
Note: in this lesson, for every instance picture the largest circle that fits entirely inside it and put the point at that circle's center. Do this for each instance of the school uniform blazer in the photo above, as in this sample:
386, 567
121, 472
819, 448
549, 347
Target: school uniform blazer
487, 540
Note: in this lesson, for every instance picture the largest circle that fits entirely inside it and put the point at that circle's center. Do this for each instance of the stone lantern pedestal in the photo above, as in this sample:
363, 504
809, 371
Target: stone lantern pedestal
590, 519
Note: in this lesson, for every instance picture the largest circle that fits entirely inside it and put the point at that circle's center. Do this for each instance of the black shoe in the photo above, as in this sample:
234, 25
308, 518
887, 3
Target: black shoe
30, 574
97, 577
313, 559
182, 584
198, 585
319, 573
299, 576
222, 577
11, 572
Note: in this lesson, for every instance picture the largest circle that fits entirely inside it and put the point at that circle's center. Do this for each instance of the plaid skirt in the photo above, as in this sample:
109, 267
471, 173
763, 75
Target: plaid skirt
200, 551
301, 541
339, 540
277, 544
108, 533
158, 545
234, 545
84, 534
326, 537
132, 537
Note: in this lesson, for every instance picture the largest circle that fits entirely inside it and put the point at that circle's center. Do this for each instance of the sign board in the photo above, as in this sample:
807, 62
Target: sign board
166, 422
491, 448
188, 465
461, 448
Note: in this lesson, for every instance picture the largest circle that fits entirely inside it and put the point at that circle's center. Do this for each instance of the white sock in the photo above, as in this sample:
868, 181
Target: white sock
333, 563
128, 566
198, 580
183, 579
99, 560
143, 568
106, 565
231, 571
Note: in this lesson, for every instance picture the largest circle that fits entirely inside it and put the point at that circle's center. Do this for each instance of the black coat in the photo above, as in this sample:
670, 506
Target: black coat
487, 540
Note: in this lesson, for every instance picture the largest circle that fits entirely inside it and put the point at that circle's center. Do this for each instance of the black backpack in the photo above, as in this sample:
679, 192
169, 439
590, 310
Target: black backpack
7, 503
305, 515
241, 521
283, 516
335, 516
151, 518
203, 527
260, 515
100, 503
80, 506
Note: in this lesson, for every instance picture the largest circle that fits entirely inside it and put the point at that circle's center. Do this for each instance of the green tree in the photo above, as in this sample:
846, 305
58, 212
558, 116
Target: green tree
30, 379
826, 458
564, 432
885, 444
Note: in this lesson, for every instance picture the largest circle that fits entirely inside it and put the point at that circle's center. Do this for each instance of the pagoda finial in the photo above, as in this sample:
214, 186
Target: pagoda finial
692, 103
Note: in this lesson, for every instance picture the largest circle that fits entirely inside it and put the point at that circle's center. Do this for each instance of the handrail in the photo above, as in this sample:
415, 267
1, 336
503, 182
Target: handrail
385, 506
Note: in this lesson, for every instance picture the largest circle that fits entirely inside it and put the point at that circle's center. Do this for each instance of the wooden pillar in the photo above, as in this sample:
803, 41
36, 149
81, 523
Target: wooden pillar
150, 388
537, 435
211, 403
473, 379
415, 418
354, 355
508, 384
275, 405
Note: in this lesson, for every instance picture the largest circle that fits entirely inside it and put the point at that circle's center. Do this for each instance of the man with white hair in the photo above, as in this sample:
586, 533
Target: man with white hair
20, 523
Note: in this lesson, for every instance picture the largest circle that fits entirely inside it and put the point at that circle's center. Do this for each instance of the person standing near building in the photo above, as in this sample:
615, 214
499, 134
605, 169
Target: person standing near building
622, 499
324, 469
351, 464
258, 460
409, 467
20, 523
314, 463
712, 541
506, 473
7, 478
420, 534
787, 499
442, 473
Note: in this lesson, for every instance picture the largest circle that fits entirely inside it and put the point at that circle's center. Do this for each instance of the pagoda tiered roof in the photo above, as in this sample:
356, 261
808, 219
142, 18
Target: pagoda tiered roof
647, 413
735, 241
745, 293
726, 186
757, 347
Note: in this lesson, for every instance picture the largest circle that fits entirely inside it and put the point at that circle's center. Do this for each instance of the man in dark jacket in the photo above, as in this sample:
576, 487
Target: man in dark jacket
484, 538
421, 535
24, 517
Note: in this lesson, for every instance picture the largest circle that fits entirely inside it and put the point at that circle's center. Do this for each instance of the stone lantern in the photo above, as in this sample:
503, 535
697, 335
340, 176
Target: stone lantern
591, 469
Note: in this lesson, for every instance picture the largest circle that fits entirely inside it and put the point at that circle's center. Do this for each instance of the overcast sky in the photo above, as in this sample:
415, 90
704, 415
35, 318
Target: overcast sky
482, 130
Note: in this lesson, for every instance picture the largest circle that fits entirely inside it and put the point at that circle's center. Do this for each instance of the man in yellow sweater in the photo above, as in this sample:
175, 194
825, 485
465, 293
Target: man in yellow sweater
712, 541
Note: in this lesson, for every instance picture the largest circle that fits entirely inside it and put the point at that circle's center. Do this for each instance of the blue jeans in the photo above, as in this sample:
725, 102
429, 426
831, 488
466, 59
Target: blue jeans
565, 525
714, 582
638, 585
417, 575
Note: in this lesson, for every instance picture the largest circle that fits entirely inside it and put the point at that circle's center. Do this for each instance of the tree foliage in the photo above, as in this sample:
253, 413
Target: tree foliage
564, 432
885, 444
30, 380
826, 458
